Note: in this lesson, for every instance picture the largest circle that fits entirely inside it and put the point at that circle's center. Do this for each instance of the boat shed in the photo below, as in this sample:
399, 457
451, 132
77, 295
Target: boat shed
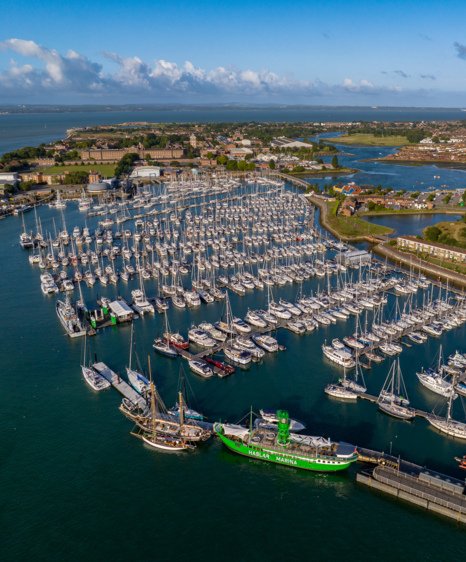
356, 257
122, 311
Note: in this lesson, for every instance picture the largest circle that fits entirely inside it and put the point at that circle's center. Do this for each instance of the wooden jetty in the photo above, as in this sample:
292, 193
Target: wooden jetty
119, 384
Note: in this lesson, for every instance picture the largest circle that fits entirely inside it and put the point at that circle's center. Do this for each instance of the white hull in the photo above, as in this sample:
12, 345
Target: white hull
162, 446
449, 427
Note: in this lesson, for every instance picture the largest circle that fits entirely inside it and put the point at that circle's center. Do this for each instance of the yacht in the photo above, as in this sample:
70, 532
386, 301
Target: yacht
338, 356
69, 319
140, 302
266, 342
240, 326
435, 382
201, 338
240, 356
200, 368
213, 332
255, 319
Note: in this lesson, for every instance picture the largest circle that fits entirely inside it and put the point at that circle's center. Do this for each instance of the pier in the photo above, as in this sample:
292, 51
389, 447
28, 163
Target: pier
433, 491
119, 384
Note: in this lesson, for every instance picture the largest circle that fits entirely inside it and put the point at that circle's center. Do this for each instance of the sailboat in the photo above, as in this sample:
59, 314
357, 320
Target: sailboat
346, 388
162, 345
393, 398
25, 239
181, 408
154, 436
448, 425
94, 379
435, 380
137, 380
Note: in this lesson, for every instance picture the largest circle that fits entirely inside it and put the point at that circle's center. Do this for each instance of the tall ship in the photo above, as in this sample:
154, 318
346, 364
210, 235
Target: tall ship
280, 446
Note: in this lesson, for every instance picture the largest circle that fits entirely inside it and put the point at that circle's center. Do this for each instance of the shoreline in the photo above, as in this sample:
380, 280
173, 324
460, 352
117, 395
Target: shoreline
419, 163
308, 173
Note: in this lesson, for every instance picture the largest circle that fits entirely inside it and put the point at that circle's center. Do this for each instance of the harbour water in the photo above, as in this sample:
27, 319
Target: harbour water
30, 129
411, 224
76, 485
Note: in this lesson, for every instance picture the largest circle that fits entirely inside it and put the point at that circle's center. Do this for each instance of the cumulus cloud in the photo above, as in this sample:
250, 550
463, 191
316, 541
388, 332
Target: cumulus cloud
428, 77
49, 72
460, 50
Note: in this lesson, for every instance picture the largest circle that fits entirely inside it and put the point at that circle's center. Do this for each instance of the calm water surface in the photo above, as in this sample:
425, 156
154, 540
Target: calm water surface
76, 485
411, 224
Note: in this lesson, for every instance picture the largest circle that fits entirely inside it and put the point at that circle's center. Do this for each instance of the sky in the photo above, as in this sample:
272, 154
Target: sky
397, 53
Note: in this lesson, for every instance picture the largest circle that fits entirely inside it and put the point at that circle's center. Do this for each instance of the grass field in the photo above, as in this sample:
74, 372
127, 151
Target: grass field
352, 226
107, 170
371, 140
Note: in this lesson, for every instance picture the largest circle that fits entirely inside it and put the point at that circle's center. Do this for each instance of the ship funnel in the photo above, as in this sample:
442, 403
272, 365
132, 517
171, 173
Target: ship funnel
283, 427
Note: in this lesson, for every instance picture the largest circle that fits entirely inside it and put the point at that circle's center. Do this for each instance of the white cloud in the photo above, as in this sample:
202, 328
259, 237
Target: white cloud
48, 72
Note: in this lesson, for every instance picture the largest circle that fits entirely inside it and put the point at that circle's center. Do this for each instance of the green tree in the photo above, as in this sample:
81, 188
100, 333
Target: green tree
125, 165
335, 163
272, 165
432, 233
222, 160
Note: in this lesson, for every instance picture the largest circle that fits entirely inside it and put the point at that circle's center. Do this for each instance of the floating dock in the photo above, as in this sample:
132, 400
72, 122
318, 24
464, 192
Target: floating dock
374, 399
119, 384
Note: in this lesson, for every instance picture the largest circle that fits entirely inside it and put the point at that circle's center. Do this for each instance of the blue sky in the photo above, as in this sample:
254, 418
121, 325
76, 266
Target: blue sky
333, 53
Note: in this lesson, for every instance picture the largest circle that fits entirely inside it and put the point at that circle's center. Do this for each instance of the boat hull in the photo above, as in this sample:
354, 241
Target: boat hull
317, 464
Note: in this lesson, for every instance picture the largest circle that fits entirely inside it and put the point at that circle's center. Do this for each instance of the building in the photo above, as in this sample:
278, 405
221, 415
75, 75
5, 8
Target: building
143, 172
348, 189
283, 142
121, 310
116, 154
193, 141
355, 257
434, 249
98, 187
240, 152
11, 178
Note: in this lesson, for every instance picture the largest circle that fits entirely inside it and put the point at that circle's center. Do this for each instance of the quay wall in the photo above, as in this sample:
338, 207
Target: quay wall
368, 480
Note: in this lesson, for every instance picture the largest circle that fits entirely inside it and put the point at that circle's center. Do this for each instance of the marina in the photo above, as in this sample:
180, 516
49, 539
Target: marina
334, 302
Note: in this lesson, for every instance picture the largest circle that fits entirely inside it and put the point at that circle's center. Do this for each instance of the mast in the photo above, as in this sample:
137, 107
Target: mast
152, 398
181, 407
131, 346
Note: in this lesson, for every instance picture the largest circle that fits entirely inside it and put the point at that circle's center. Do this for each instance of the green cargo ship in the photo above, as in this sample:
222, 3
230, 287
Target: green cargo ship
289, 449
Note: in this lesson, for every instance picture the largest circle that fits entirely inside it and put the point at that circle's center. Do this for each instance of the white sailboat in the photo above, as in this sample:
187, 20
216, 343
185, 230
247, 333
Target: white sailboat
448, 425
393, 398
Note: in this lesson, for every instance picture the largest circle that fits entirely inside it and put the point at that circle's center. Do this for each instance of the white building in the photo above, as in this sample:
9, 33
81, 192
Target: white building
146, 172
284, 142
9, 177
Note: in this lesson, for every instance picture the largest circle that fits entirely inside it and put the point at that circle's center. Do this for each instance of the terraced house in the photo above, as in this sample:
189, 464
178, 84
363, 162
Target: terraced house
434, 249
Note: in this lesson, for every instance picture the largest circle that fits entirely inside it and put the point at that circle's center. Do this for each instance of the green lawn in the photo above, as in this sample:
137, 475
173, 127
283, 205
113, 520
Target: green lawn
107, 170
353, 226
367, 139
